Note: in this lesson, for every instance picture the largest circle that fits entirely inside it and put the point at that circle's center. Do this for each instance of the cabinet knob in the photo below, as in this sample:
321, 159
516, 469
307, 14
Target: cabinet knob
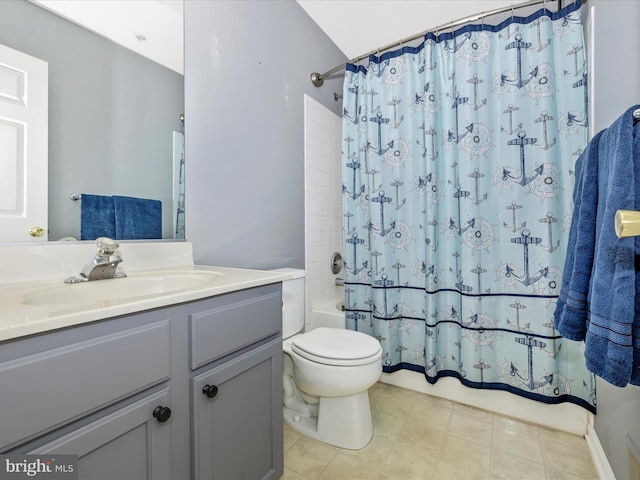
162, 414
210, 390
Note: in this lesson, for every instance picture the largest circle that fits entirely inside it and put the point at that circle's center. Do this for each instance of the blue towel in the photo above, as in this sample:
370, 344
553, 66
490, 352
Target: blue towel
137, 218
597, 301
96, 217
570, 316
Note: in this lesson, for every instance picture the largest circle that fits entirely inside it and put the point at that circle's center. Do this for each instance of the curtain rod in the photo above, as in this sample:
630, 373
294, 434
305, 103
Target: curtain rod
318, 79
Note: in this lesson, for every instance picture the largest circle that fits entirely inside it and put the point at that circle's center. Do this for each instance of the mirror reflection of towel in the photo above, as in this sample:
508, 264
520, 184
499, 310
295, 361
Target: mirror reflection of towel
97, 217
120, 218
137, 218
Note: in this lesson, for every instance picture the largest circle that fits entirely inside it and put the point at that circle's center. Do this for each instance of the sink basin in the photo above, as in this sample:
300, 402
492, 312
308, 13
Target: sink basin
136, 286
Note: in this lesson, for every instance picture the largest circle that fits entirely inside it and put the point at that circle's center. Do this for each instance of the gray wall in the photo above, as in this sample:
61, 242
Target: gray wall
111, 114
615, 82
247, 67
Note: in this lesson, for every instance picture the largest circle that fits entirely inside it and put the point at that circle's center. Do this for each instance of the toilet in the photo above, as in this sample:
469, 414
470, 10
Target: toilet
326, 374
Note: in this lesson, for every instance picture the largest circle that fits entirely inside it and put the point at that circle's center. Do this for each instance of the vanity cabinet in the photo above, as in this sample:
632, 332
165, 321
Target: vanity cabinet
188, 391
128, 443
236, 423
237, 391
54, 379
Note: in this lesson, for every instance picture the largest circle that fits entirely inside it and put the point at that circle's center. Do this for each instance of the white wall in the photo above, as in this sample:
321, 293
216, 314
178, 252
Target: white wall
323, 201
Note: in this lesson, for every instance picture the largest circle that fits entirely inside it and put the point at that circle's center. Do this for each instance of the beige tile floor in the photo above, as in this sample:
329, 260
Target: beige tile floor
420, 437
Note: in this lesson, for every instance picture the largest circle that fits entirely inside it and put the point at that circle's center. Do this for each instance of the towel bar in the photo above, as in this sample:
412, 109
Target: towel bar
627, 223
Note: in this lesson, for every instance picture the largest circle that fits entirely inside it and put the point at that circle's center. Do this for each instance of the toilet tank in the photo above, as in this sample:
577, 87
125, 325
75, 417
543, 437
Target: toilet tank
292, 302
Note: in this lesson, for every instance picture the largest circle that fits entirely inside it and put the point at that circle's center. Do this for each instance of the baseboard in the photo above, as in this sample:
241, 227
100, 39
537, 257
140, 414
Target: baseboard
597, 454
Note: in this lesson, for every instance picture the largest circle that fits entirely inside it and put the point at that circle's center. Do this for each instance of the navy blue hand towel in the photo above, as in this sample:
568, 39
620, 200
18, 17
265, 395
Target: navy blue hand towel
137, 218
598, 297
96, 217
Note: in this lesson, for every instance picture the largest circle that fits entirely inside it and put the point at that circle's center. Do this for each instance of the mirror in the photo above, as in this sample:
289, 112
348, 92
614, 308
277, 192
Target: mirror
111, 120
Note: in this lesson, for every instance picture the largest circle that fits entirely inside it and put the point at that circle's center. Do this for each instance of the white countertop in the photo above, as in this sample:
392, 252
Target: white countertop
32, 271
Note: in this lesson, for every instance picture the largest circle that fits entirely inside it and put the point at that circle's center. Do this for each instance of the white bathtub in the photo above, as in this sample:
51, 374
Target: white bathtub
329, 313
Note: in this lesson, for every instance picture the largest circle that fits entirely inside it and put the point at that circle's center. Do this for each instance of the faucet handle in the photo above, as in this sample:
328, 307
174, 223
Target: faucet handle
106, 245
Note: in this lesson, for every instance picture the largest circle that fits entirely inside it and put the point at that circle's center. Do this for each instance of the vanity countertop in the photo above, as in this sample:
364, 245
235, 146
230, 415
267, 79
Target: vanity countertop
44, 302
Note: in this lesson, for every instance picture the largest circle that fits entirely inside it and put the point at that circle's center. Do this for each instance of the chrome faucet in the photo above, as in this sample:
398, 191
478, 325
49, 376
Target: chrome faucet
102, 266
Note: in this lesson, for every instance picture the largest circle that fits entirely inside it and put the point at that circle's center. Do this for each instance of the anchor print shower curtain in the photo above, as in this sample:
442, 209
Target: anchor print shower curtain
457, 160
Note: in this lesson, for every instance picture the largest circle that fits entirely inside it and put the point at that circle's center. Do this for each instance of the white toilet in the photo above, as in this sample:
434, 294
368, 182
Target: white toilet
326, 374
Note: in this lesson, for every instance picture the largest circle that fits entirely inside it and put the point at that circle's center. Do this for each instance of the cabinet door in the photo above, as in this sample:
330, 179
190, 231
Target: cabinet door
238, 426
85, 374
127, 444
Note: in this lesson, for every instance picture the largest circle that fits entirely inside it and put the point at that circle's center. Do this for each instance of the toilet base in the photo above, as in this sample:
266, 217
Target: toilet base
342, 421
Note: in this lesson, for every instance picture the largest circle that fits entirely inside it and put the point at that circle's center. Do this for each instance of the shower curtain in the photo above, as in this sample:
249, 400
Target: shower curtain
457, 160
179, 214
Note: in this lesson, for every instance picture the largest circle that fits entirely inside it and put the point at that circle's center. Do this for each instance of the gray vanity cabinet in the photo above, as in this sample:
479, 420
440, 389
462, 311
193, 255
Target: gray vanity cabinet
52, 380
237, 391
128, 443
237, 434
133, 396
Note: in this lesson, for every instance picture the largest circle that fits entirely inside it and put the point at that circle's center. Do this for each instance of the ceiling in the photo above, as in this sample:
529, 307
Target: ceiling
360, 26
154, 28
159, 22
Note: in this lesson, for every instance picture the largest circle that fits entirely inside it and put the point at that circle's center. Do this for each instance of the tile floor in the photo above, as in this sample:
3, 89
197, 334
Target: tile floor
420, 437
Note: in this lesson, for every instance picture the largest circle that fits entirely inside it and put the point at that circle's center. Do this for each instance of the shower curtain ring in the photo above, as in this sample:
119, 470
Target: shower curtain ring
512, 12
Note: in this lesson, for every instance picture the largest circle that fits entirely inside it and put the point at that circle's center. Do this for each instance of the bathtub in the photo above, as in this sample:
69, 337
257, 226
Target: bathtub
565, 416
329, 313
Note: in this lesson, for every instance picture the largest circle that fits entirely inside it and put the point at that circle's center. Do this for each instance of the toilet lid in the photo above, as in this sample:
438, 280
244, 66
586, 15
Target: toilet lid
332, 346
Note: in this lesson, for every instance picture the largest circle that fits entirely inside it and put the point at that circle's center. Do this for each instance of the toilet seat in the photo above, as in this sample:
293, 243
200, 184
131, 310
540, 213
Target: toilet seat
332, 346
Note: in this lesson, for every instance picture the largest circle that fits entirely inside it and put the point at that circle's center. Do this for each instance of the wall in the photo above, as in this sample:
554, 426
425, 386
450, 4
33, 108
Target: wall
323, 201
111, 114
247, 67
612, 39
